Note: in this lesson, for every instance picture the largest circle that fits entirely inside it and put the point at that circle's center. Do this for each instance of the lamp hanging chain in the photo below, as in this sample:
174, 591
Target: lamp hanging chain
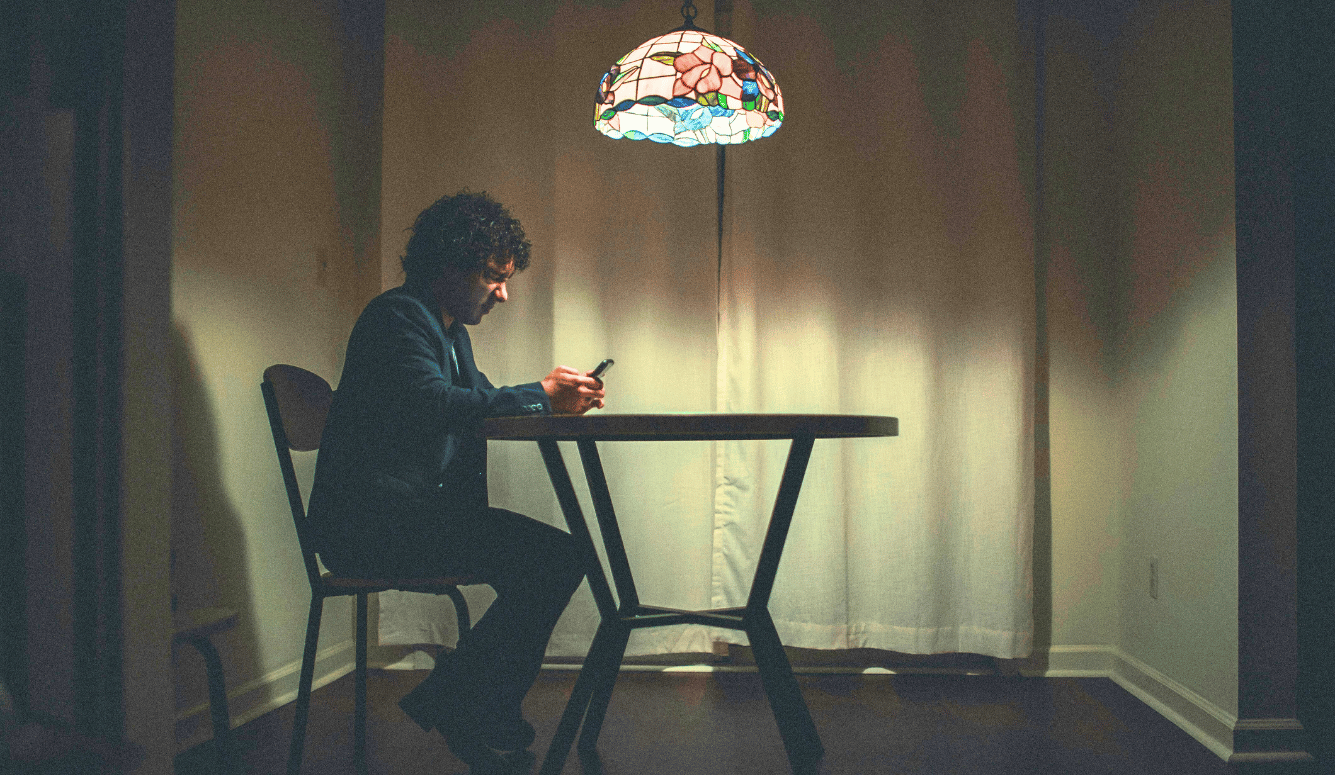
688, 12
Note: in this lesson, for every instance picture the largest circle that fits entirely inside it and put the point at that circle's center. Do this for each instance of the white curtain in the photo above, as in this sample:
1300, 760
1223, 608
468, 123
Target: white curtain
877, 259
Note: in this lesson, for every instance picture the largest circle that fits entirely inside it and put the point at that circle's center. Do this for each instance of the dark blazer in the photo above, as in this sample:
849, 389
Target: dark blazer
402, 429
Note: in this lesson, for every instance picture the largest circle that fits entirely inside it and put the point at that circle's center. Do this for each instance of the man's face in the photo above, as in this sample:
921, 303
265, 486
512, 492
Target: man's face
466, 297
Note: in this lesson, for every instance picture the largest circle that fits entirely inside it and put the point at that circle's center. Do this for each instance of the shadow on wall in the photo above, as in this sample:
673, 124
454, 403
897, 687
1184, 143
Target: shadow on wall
207, 540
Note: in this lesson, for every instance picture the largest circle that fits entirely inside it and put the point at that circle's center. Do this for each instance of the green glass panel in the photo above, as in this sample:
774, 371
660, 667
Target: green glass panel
722, 100
774, 115
625, 73
666, 58
652, 99
606, 114
712, 45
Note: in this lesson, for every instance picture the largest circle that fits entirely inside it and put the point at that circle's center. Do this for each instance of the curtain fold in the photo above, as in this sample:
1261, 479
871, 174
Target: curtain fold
877, 259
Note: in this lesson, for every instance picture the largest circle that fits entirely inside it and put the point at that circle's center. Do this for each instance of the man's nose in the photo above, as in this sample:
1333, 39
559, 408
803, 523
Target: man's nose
501, 293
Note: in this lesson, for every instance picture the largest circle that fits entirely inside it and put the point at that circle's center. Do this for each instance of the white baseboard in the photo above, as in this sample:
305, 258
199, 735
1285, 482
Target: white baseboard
1209, 724
1070, 662
1253, 741
268, 692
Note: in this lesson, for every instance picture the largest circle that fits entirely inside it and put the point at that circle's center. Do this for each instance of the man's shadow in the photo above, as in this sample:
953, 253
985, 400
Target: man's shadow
208, 545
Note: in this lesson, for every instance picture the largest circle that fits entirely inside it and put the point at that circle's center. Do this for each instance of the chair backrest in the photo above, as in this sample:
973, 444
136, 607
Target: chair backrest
298, 403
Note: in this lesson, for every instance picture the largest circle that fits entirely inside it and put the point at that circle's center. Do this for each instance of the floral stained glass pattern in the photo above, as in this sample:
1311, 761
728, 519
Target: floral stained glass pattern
687, 88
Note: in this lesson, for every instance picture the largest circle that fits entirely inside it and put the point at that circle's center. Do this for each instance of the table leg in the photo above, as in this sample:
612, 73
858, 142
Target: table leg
798, 731
605, 647
606, 671
579, 527
608, 528
800, 738
776, 535
609, 644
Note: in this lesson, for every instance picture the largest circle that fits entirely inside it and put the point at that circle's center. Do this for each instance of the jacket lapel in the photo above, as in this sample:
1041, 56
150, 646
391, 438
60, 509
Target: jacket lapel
463, 347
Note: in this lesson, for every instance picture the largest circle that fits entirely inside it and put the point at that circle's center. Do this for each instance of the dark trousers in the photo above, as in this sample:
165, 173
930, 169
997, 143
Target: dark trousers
534, 569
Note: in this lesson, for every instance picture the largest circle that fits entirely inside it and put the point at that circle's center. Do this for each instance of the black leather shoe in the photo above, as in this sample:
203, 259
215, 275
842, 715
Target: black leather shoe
424, 707
481, 758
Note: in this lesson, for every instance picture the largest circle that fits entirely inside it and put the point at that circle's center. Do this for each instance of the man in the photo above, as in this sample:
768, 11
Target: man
401, 479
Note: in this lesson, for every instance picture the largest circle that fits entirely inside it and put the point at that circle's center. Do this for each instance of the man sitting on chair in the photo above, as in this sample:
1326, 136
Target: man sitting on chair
401, 479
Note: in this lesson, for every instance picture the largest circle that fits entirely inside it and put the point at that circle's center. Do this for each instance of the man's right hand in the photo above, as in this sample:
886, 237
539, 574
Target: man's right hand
573, 391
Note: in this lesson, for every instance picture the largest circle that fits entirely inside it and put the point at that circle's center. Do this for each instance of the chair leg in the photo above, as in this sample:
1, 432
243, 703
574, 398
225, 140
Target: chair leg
460, 610
304, 687
222, 722
359, 722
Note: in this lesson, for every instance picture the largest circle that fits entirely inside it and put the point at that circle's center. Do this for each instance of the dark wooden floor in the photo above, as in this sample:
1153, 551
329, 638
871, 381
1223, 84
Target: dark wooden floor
675, 723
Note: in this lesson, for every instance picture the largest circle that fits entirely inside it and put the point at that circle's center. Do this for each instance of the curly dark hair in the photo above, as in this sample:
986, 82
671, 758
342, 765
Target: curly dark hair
463, 231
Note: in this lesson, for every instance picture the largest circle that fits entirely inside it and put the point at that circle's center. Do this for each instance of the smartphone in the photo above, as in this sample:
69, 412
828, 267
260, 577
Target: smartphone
602, 368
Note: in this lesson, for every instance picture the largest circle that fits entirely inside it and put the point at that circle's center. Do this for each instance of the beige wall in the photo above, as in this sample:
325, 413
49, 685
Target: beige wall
275, 251
1142, 322
1178, 374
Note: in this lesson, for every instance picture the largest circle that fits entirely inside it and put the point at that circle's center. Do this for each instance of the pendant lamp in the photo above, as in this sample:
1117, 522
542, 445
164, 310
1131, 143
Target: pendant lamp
688, 88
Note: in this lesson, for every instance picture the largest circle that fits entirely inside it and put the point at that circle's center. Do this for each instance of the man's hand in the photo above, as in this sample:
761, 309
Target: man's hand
573, 391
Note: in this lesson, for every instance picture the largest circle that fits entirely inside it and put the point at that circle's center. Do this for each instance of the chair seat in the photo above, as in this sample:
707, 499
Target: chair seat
407, 585
202, 622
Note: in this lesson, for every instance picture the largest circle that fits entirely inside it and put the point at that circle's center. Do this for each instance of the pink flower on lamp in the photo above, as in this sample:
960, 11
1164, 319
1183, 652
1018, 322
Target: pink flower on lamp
701, 71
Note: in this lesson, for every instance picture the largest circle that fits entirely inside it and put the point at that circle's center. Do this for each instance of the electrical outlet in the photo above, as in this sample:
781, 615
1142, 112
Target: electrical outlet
1154, 577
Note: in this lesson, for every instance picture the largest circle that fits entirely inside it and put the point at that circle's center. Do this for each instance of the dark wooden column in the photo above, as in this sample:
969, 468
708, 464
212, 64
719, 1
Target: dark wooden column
1283, 230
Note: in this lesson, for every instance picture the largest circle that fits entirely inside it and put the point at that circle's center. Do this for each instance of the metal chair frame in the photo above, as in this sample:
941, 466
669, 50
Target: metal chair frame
297, 393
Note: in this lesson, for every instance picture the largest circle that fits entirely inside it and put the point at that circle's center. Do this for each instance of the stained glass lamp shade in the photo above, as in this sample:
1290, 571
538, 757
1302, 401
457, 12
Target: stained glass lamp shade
688, 87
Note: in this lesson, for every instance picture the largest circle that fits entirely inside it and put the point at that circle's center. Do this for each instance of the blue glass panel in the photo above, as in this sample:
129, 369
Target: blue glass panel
749, 89
693, 120
658, 137
624, 105
634, 134
680, 102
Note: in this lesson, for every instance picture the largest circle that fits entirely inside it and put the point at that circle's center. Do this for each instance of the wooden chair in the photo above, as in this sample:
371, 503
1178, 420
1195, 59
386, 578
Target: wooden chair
298, 402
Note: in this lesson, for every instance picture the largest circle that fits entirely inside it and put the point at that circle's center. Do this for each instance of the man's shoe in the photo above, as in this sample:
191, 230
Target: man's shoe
481, 758
424, 707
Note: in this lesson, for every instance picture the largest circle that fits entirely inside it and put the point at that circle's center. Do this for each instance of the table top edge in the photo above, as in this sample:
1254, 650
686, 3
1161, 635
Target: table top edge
685, 427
